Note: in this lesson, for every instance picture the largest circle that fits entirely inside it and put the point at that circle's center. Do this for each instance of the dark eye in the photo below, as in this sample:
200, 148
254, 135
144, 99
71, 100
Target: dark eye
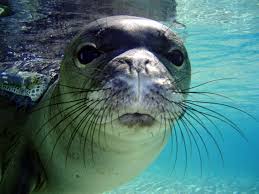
87, 53
176, 57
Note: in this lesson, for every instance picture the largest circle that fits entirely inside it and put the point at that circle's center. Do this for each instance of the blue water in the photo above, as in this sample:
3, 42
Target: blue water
222, 38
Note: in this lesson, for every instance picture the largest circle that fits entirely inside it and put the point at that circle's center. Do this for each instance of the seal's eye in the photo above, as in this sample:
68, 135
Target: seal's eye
176, 57
87, 53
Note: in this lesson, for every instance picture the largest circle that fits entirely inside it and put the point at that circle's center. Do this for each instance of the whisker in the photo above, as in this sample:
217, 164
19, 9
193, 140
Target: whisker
95, 122
88, 131
184, 106
83, 89
67, 115
222, 104
79, 111
92, 131
172, 143
205, 93
62, 132
182, 119
197, 132
176, 148
85, 136
57, 103
77, 128
188, 134
164, 124
210, 135
199, 135
52, 117
103, 108
207, 82
65, 93
88, 119
185, 149
220, 117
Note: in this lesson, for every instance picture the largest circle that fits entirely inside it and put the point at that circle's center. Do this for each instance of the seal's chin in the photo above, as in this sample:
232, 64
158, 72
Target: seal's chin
136, 119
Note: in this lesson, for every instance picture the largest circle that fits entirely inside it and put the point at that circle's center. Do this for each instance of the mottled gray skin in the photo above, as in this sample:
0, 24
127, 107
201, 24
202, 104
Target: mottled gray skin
103, 122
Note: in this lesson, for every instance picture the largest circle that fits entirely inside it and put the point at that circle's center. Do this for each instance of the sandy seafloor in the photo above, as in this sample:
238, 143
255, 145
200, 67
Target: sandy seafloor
155, 184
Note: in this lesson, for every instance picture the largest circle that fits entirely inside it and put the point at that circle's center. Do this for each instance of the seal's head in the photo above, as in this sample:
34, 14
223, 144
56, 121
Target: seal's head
130, 75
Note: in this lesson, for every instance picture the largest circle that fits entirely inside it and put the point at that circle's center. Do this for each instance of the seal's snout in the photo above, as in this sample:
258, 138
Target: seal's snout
137, 62
138, 70
141, 79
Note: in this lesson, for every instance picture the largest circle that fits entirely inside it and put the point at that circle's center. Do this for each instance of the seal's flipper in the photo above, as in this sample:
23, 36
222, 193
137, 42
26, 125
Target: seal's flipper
24, 172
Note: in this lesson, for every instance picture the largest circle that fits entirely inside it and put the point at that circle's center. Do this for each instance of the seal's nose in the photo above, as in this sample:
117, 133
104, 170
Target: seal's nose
137, 65
138, 62
138, 70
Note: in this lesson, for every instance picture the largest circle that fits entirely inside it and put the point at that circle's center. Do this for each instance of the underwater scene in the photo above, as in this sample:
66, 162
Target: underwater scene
214, 145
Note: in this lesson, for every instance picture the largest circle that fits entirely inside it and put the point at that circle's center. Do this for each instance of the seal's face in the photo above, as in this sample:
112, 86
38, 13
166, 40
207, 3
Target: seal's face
131, 75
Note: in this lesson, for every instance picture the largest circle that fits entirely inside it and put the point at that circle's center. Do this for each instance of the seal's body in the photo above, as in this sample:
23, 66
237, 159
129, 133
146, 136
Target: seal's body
108, 116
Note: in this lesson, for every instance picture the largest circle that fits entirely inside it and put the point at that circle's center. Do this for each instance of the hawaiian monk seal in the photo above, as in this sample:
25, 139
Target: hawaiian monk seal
109, 114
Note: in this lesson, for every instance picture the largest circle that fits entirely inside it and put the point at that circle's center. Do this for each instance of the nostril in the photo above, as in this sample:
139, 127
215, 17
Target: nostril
147, 61
128, 61
125, 61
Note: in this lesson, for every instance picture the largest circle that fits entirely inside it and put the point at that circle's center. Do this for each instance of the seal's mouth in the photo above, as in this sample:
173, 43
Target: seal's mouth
136, 119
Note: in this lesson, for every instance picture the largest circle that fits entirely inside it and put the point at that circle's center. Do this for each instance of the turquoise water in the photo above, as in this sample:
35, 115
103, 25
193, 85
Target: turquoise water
222, 38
